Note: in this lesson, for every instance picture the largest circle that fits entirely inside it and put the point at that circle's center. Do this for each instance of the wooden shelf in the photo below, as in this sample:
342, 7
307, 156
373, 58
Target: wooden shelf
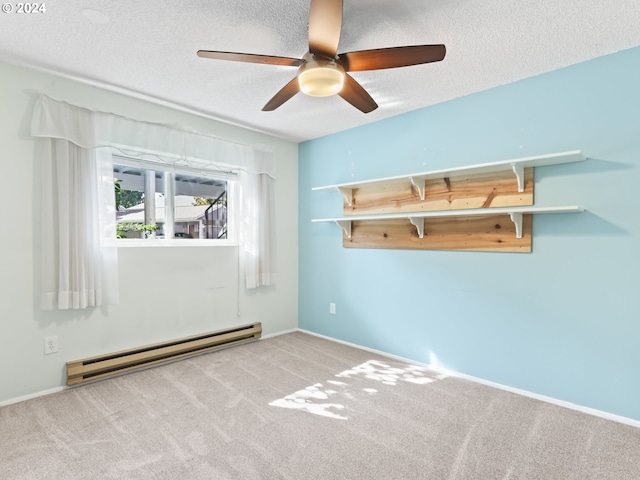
517, 166
417, 218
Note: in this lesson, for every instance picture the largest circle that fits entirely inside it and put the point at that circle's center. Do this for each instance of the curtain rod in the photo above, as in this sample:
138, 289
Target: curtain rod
132, 161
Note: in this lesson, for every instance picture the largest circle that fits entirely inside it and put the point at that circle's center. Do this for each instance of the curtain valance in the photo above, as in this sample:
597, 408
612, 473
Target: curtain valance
168, 144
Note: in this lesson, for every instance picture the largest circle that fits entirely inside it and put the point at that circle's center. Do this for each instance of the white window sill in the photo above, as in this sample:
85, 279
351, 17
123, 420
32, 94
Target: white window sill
149, 242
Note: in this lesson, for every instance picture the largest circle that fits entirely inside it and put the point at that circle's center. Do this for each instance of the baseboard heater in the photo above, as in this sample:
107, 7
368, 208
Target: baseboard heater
111, 364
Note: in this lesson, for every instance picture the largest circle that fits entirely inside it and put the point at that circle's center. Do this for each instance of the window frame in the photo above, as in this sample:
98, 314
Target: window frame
229, 176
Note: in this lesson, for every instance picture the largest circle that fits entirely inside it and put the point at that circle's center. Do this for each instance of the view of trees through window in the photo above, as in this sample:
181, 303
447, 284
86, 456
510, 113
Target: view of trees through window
162, 204
127, 198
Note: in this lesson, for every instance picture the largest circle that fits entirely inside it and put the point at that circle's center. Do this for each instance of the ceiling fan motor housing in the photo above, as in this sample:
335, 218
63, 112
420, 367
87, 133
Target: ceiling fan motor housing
320, 76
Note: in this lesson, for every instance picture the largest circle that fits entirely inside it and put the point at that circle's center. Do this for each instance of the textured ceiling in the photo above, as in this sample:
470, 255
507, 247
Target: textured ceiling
149, 47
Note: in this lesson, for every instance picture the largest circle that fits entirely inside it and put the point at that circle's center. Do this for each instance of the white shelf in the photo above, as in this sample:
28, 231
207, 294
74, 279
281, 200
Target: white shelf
418, 179
417, 218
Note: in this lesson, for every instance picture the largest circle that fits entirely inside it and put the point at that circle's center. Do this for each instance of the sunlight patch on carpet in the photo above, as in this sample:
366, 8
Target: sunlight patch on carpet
381, 372
328, 401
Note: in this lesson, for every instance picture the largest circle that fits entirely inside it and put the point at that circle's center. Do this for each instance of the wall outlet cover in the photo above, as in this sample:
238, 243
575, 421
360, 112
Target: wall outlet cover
50, 345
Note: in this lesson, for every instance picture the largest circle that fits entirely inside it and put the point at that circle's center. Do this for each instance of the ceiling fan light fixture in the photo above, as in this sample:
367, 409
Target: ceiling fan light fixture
321, 79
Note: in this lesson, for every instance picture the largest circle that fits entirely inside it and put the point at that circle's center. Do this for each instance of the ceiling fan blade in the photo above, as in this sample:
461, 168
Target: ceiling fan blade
393, 57
325, 21
251, 58
288, 91
356, 95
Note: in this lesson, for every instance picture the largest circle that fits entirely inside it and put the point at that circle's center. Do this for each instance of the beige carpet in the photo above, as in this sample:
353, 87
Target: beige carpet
300, 407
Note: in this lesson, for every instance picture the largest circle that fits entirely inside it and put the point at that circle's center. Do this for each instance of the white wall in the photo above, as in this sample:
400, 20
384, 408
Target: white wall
166, 292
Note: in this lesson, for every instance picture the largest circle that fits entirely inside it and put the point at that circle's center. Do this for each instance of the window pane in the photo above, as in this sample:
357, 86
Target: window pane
200, 207
140, 202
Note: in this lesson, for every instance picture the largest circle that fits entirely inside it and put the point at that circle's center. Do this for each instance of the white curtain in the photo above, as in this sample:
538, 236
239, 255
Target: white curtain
257, 230
88, 130
79, 259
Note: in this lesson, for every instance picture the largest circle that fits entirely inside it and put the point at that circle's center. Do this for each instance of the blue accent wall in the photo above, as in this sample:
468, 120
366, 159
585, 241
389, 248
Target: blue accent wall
562, 321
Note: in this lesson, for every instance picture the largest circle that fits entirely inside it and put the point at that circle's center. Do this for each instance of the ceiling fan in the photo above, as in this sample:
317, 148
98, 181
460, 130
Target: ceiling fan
322, 71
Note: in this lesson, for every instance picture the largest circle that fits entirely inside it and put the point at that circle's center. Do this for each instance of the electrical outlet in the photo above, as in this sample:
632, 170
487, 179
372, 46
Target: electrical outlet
332, 308
50, 345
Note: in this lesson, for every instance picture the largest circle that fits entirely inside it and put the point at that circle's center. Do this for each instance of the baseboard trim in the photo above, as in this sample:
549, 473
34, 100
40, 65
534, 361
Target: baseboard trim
525, 393
31, 396
277, 334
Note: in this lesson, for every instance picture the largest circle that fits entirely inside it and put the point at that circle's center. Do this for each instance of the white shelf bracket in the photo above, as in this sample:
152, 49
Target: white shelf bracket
518, 169
516, 218
418, 222
347, 193
419, 183
346, 226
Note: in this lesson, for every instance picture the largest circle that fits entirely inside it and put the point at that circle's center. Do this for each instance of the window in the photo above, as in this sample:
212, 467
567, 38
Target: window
155, 203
